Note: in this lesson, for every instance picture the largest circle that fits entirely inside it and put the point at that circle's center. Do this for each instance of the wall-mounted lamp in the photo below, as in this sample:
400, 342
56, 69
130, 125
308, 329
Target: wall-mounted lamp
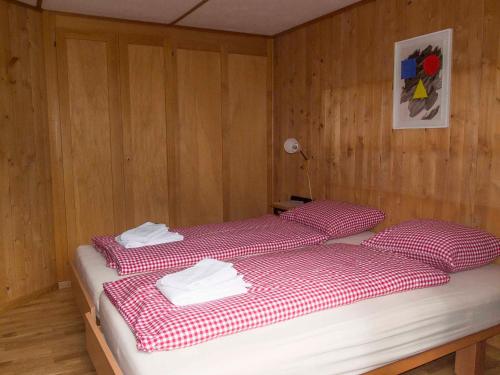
292, 146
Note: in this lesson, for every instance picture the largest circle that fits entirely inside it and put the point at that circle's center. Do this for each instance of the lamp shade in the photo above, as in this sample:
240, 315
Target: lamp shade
292, 146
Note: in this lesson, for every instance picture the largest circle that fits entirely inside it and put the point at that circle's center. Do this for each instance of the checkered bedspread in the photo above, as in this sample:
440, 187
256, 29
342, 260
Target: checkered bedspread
219, 241
285, 285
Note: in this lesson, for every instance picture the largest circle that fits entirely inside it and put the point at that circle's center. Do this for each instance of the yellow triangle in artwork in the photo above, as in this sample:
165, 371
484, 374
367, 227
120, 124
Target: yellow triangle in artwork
420, 91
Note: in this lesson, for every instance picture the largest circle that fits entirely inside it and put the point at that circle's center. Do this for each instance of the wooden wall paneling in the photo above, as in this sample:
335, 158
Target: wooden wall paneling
27, 258
388, 149
269, 125
233, 43
181, 37
461, 168
225, 126
115, 117
314, 115
280, 113
91, 135
81, 147
40, 186
245, 137
284, 114
30, 179
199, 136
6, 126
142, 63
488, 160
280, 92
156, 144
23, 155
345, 62
56, 157
196, 45
291, 87
172, 107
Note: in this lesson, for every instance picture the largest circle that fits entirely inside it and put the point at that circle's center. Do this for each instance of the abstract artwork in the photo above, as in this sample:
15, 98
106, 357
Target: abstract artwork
422, 70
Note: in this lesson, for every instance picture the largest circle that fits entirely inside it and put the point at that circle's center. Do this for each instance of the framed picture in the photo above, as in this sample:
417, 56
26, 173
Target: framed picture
422, 72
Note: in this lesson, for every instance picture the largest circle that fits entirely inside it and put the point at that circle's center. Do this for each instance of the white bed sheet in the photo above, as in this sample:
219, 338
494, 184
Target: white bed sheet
348, 340
91, 266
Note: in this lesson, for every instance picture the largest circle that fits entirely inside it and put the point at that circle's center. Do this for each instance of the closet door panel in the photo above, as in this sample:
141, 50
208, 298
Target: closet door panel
145, 132
199, 138
87, 69
245, 138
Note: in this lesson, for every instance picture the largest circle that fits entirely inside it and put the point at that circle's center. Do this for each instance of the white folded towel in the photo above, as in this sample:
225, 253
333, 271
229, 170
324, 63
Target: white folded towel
207, 280
180, 297
143, 232
206, 273
147, 234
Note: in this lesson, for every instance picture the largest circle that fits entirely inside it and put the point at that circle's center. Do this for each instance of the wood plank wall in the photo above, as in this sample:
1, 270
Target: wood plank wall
27, 257
333, 91
149, 123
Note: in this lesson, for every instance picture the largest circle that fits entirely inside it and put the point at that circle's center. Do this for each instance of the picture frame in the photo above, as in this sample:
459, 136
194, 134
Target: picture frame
422, 81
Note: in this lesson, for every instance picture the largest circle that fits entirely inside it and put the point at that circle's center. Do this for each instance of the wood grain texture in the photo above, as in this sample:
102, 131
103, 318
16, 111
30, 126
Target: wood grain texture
145, 139
488, 154
56, 166
27, 258
87, 77
97, 349
470, 360
45, 336
245, 138
199, 157
82, 298
333, 92
136, 114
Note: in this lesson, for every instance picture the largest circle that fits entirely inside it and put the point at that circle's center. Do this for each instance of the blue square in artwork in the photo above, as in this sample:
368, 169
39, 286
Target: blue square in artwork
408, 68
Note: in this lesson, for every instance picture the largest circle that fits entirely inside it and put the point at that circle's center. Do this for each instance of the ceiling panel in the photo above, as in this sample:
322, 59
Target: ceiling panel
161, 11
266, 17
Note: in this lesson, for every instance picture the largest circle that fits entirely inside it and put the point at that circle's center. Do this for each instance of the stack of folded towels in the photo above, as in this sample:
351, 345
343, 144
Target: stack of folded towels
207, 280
147, 234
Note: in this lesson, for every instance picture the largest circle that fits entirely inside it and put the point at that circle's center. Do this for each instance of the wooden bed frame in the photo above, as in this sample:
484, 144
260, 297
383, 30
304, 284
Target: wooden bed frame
469, 359
82, 297
469, 350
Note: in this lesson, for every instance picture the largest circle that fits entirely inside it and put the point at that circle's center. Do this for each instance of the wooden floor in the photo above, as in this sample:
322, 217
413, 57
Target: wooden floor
46, 336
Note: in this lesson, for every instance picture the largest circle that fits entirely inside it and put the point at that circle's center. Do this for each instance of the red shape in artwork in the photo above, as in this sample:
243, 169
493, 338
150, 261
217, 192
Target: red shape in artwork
432, 63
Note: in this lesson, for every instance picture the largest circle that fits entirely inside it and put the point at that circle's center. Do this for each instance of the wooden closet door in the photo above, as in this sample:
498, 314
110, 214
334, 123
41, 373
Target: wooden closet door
91, 135
198, 196
143, 87
246, 137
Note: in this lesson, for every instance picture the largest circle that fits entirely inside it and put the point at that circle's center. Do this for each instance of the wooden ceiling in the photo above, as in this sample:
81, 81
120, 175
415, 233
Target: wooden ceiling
263, 17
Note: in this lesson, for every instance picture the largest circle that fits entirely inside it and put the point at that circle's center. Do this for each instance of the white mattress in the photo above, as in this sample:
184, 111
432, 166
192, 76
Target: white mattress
347, 340
93, 272
91, 266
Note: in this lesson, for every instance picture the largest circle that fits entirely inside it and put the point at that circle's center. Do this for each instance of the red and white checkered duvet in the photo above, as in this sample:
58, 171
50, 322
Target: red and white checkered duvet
285, 285
219, 241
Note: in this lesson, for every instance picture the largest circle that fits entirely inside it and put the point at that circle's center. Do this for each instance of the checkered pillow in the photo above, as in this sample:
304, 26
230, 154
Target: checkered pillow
448, 246
336, 219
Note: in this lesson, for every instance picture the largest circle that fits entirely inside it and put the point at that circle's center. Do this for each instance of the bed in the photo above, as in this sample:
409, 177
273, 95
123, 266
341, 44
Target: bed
385, 335
90, 272
296, 292
311, 223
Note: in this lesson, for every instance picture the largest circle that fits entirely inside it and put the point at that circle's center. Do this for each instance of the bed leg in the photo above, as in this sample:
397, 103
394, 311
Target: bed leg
470, 360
